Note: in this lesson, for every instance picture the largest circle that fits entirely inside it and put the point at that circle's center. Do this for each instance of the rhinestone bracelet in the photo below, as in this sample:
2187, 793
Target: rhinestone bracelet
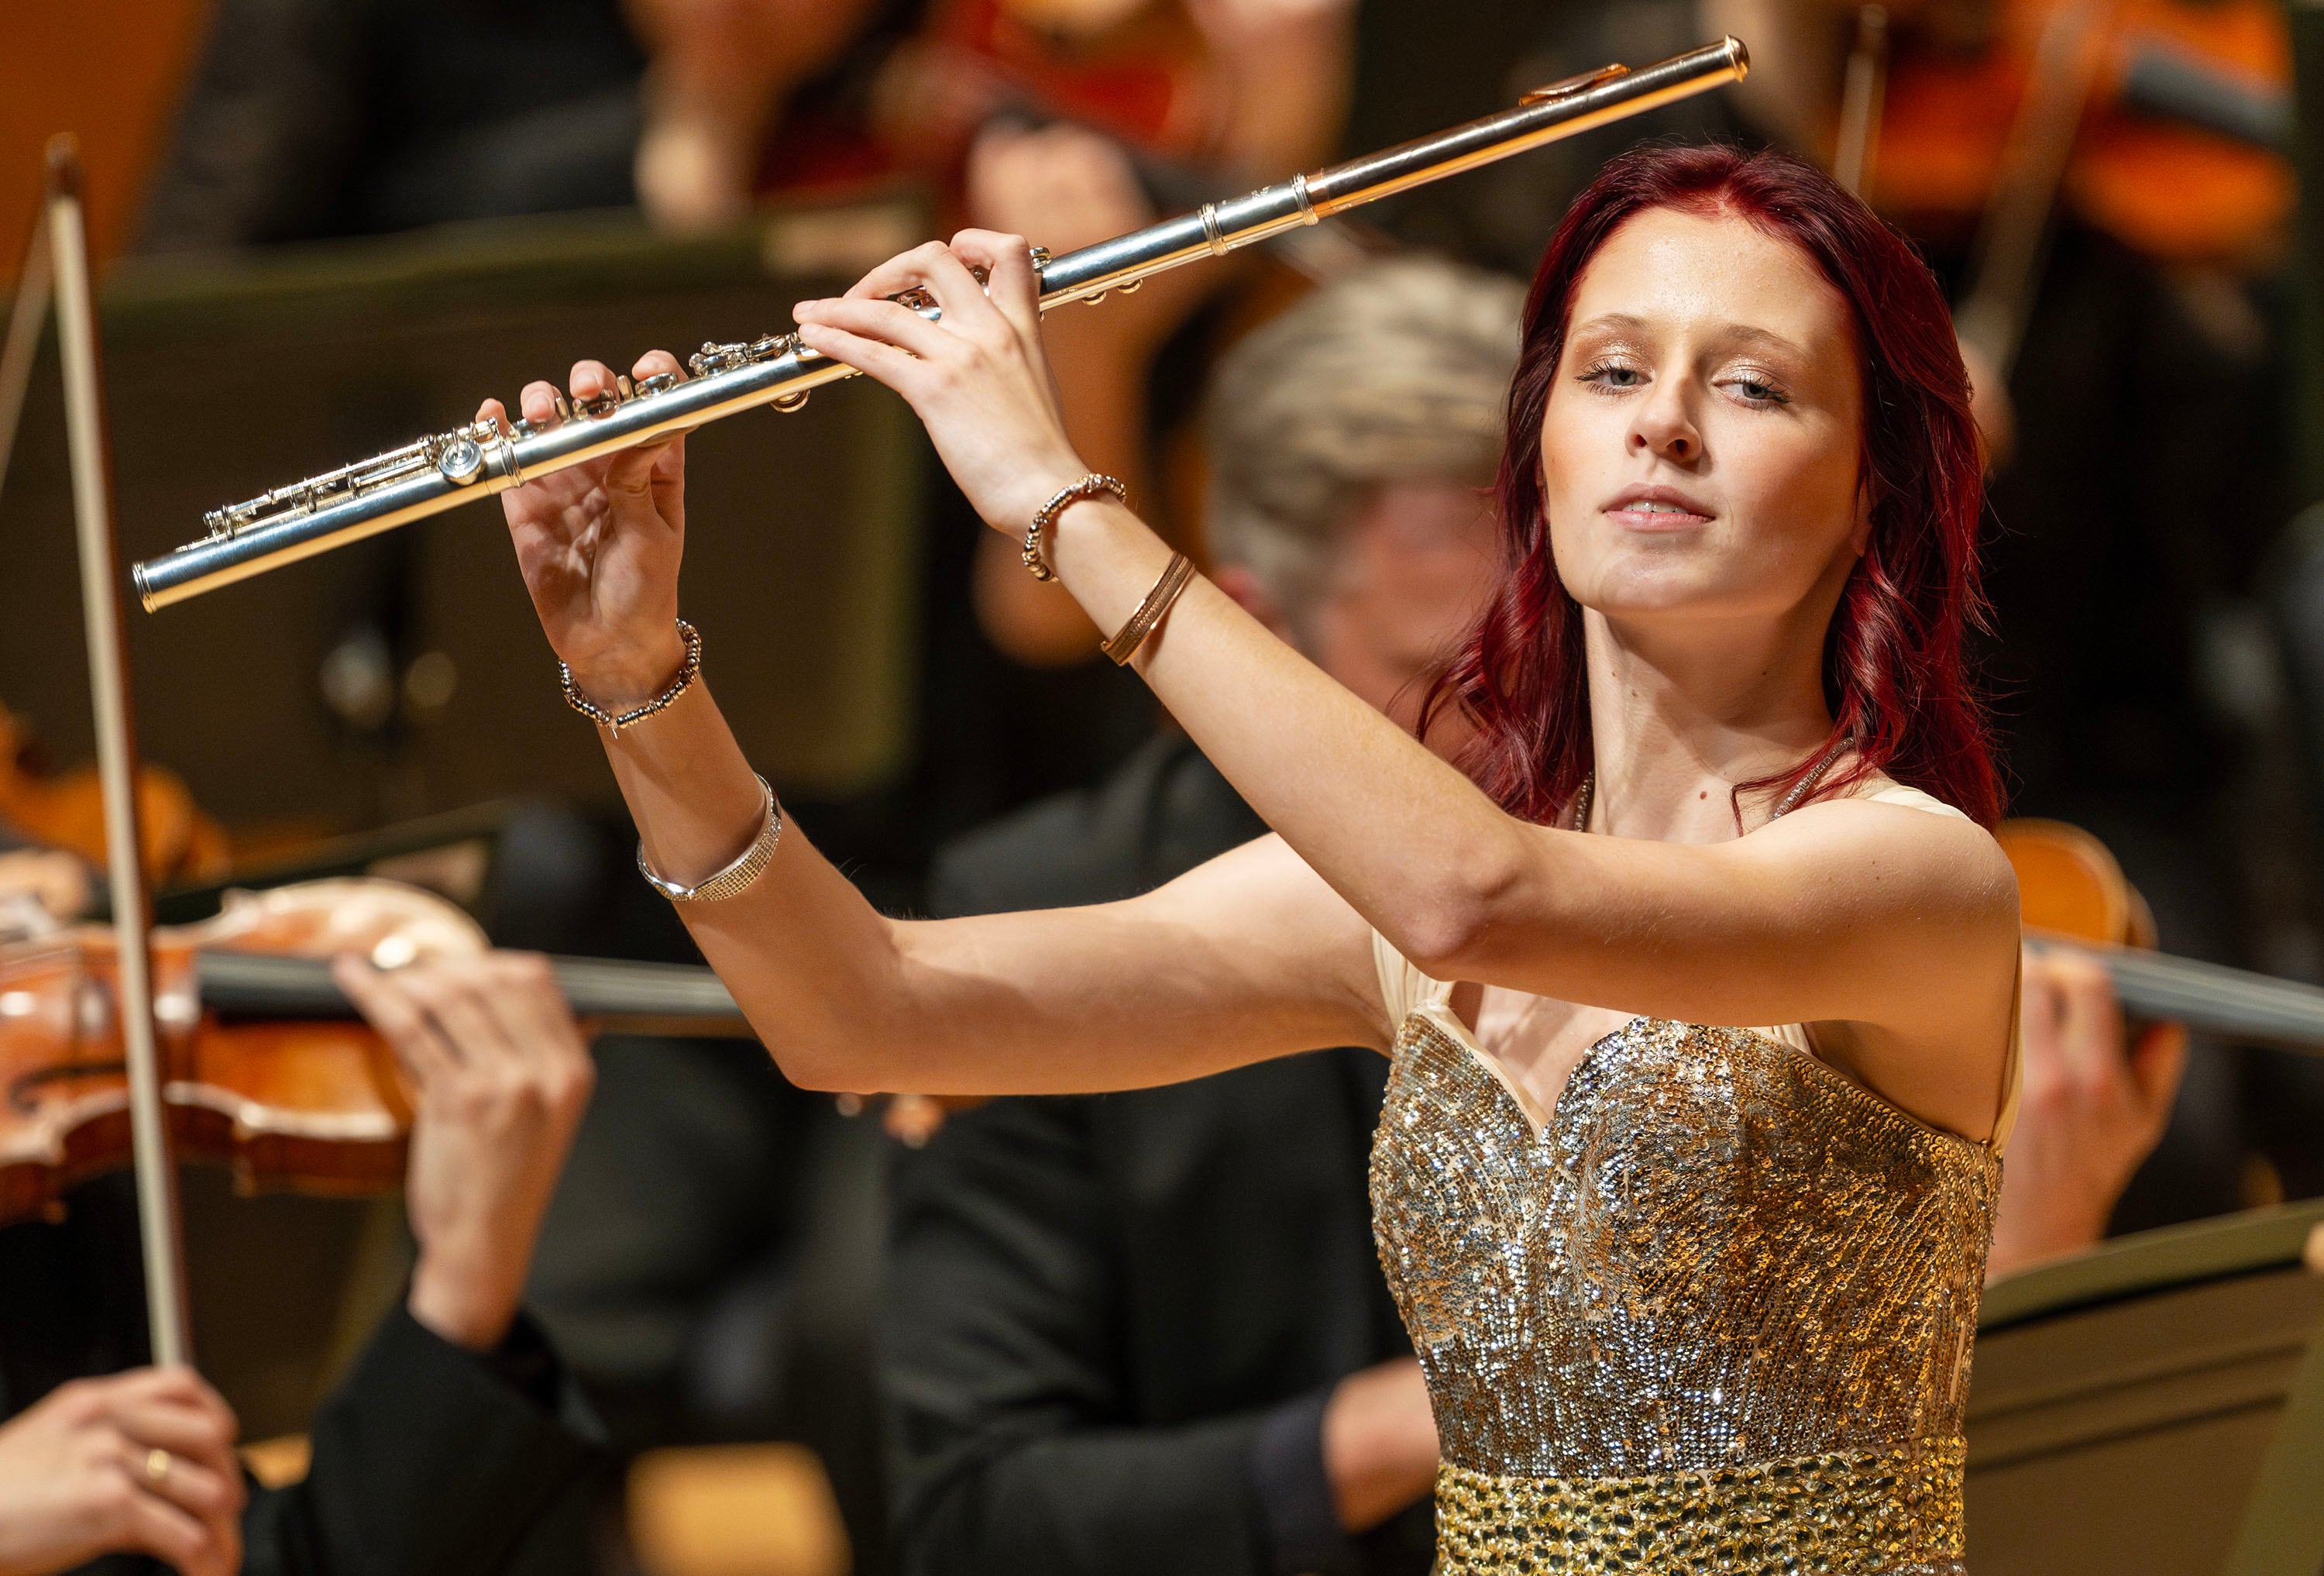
737, 876
687, 671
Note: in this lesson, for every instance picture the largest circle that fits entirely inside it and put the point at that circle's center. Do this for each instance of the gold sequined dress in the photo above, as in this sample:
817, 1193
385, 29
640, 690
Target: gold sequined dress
1715, 1315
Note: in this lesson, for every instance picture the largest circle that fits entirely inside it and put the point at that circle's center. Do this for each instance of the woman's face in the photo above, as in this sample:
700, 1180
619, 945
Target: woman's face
1700, 450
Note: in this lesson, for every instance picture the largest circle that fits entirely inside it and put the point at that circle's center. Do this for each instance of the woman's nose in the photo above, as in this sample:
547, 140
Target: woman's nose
1666, 429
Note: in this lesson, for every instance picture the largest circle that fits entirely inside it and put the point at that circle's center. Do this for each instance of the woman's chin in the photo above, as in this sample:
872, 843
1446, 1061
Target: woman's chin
1659, 594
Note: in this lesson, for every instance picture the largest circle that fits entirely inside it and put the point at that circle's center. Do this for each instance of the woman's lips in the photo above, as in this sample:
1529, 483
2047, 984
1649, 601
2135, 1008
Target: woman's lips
1640, 507
1637, 517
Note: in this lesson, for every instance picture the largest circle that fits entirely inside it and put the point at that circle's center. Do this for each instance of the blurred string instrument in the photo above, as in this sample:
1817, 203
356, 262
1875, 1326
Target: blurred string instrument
2073, 896
1146, 78
2161, 122
66, 810
1142, 78
1135, 71
265, 1066
470, 462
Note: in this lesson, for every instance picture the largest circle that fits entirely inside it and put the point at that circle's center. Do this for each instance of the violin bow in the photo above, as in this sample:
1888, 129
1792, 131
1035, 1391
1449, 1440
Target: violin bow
2012, 240
1860, 95
26, 312
117, 753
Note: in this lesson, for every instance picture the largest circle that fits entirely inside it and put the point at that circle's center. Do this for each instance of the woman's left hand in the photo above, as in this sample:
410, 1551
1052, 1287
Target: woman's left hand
979, 380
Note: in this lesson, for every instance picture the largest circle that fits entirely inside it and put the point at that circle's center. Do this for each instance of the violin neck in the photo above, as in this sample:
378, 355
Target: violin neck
611, 994
2233, 1003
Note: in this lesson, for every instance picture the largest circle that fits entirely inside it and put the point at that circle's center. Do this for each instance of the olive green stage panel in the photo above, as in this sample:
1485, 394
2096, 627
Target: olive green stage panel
2155, 1407
406, 675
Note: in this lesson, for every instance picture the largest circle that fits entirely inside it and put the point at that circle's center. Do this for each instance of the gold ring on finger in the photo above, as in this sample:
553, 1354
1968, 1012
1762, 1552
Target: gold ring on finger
157, 1466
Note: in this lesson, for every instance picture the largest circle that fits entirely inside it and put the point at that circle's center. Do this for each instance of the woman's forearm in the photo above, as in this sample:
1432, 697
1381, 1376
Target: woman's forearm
800, 947
689, 787
1067, 1000
1408, 840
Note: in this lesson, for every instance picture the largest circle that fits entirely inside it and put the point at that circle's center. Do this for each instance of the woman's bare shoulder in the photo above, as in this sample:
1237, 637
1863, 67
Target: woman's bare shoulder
1889, 834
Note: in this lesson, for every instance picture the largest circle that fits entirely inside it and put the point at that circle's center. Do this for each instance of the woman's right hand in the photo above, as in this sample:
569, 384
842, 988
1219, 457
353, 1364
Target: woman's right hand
599, 545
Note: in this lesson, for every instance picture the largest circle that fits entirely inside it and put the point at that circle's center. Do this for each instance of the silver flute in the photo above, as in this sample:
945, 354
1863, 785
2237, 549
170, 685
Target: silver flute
448, 469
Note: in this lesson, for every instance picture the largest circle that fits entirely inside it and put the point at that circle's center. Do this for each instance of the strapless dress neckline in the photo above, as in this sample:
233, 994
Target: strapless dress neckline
1714, 1312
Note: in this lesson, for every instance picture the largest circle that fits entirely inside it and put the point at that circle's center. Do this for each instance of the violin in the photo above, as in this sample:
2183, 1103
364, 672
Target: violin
2157, 113
1137, 73
66, 810
2072, 894
266, 1068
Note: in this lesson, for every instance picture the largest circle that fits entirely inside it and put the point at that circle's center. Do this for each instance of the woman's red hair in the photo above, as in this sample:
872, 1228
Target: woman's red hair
1894, 674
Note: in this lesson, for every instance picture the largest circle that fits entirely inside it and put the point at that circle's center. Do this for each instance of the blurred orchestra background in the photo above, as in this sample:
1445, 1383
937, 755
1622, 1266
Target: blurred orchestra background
324, 226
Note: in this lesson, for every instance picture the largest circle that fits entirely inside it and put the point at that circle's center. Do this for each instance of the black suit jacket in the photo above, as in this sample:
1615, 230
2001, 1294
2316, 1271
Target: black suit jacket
1114, 1320
428, 1460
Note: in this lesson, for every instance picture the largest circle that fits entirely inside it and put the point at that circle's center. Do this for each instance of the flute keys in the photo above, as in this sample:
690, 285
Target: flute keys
714, 357
661, 382
460, 460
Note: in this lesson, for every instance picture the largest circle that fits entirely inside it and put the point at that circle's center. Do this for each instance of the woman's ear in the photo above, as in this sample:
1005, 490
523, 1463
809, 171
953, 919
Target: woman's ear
1859, 535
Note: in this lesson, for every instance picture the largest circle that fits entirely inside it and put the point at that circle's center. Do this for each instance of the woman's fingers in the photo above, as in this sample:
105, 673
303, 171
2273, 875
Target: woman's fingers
884, 320
591, 379
656, 363
899, 370
539, 403
1010, 282
929, 266
651, 476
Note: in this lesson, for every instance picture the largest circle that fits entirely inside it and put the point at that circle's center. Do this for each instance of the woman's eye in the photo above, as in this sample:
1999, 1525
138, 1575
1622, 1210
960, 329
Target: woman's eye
1614, 377
1757, 392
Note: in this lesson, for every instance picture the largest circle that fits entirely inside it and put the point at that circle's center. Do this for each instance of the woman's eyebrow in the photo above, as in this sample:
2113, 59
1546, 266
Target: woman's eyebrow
1745, 335
1616, 322
1727, 335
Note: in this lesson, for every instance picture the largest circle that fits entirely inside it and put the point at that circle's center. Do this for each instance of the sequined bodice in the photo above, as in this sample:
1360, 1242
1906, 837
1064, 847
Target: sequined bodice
1720, 1260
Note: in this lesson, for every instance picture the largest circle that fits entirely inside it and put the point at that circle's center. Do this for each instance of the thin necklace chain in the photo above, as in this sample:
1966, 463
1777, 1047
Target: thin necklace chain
1791, 801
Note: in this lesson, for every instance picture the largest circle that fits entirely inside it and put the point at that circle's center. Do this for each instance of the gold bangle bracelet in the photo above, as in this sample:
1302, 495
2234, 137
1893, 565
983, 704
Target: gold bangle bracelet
1150, 612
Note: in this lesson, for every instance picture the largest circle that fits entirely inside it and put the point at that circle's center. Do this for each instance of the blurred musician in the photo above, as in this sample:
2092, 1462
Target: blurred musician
307, 118
1147, 1333
2097, 1096
456, 1429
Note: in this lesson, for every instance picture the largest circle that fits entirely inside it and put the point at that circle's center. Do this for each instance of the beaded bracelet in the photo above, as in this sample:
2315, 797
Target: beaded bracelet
1089, 486
687, 671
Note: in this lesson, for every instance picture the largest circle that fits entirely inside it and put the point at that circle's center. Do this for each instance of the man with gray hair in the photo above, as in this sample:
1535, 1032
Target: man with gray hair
1146, 1333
